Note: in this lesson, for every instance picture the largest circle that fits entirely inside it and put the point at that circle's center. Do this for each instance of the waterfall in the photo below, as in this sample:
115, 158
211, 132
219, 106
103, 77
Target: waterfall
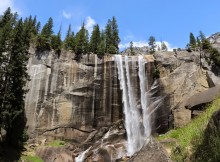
144, 98
133, 118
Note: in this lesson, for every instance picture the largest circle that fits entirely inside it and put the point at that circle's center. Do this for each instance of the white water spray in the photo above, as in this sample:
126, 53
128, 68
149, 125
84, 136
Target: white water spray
144, 98
82, 156
133, 118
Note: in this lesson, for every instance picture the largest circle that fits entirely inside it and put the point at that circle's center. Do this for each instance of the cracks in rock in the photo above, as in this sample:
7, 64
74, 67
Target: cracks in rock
53, 129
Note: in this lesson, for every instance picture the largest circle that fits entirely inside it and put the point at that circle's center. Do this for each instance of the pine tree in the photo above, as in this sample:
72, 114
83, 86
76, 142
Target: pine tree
81, 46
112, 37
6, 34
12, 102
69, 42
198, 42
95, 40
108, 35
163, 47
38, 26
44, 39
152, 44
102, 45
192, 42
202, 36
7, 16
56, 43
47, 30
101, 49
131, 49
115, 36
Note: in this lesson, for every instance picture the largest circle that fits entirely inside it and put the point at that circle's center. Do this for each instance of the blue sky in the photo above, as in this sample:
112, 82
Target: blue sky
167, 20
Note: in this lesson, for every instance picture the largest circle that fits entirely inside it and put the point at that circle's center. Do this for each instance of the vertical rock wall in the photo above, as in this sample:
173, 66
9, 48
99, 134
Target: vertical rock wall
68, 99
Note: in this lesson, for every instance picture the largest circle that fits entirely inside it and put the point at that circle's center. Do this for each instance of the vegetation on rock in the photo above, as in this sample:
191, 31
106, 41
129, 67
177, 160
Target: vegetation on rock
152, 44
192, 143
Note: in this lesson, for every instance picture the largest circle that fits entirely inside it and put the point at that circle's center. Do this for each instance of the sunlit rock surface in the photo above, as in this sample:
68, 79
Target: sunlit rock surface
69, 99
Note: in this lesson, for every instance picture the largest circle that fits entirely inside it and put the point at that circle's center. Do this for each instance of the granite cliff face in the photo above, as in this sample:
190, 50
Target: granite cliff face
69, 99
80, 101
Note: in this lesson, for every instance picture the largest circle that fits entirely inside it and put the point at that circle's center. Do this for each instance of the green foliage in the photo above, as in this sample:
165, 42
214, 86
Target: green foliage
95, 40
56, 43
192, 42
115, 36
202, 36
101, 49
198, 42
112, 49
189, 138
44, 39
7, 17
131, 49
112, 39
152, 44
30, 158
15, 40
57, 143
47, 30
69, 42
207, 149
81, 43
42, 43
156, 73
207, 48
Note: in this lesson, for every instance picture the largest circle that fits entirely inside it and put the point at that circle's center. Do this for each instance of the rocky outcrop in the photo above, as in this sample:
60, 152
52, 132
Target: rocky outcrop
198, 101
69, 99
136, 50
152, 152
180, 78
181, 117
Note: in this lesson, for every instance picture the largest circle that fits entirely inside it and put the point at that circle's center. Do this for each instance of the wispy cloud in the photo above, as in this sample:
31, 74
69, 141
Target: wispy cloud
135, 44
89, 24
66, 15
8, 3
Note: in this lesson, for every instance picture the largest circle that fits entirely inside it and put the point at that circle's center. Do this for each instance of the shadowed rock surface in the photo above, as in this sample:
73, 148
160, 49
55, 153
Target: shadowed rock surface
197, 101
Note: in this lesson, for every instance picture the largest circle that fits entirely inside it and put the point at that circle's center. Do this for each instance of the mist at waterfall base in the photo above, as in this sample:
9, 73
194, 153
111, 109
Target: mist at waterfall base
137, 108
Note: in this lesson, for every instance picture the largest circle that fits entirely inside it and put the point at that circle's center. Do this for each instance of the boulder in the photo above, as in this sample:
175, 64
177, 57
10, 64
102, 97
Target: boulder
181, 117
198, 100
152, 152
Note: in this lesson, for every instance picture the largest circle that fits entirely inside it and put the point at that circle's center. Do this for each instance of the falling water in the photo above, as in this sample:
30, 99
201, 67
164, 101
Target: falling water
133, 117
144, 99
81, 157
